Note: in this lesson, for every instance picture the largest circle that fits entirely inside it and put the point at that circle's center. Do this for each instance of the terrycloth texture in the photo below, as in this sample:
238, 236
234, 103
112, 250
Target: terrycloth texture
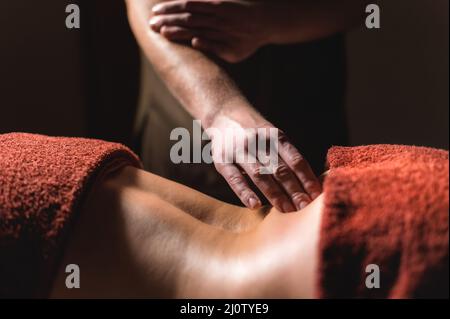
389, 206
43, 181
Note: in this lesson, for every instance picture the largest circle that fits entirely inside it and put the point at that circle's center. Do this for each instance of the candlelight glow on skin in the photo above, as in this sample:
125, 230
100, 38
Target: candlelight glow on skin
184, 244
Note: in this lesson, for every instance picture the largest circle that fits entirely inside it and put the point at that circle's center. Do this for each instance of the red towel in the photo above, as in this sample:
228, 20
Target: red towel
388, 206
43, 181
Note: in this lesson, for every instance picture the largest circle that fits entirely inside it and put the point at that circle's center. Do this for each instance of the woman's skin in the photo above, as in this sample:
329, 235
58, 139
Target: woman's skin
141, 236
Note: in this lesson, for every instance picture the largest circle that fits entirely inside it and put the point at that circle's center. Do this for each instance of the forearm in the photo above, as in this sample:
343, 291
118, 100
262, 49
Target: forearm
308, 20
199, 83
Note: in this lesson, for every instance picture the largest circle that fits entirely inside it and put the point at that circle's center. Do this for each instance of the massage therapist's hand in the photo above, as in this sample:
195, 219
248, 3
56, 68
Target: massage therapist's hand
289, 186
233, 30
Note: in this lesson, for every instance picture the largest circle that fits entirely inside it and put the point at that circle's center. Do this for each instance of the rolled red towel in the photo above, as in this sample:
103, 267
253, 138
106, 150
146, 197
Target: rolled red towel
43, 181
386, 206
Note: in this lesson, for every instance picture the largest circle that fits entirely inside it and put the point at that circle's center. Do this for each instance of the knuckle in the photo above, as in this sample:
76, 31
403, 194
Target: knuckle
256, 172
234, 180
299, 197
188, 18
311, 186
298, 161
264, 182
282, 172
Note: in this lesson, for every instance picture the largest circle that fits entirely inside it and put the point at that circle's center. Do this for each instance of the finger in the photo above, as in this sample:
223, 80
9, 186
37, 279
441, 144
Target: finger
210, 46
185, 6
218, 48
287, 179
184, 20
268, 186
239, 185
300, 167
177, 33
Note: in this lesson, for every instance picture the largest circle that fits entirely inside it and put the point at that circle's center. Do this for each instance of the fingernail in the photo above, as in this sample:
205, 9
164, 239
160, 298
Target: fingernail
153, 21
303, 205
157, 8
254, 203
298, 205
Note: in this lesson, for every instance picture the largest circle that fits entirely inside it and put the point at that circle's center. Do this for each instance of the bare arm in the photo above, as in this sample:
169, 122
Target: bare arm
234, 29
196, 81
208, 94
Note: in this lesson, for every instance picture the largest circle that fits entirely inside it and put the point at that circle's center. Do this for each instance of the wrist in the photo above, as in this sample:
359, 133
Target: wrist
232, 108
244, 117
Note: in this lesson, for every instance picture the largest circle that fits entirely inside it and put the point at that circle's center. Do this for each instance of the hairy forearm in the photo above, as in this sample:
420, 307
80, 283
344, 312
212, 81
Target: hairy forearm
307, 20
198, 82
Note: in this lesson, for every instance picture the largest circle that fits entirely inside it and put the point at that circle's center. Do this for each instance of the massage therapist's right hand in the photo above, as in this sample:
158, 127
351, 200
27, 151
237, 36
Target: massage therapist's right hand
290, 186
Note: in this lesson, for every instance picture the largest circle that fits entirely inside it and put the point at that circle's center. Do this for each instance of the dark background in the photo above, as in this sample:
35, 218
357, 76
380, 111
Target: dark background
56, 81
86, 82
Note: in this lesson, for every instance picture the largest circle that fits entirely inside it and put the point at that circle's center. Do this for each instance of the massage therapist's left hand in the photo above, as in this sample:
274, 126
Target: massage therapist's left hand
290, 185
233, 30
